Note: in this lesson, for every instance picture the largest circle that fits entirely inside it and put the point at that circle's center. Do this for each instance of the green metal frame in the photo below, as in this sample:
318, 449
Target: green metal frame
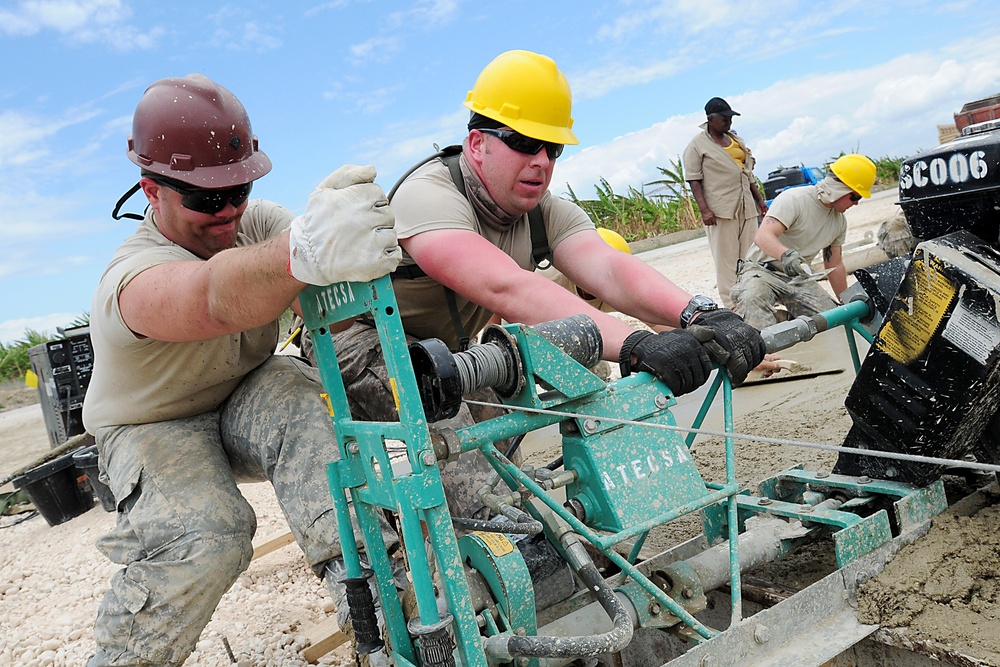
363, 481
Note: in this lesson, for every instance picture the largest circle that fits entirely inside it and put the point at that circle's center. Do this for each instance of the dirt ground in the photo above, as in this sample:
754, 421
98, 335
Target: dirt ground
52, 578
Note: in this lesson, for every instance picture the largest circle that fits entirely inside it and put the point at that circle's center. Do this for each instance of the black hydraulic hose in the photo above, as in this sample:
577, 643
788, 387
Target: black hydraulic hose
555, 464
509, 527
514, 444
511, 646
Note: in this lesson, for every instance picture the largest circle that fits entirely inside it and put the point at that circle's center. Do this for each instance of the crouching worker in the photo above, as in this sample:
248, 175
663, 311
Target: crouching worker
187, 397
801, 223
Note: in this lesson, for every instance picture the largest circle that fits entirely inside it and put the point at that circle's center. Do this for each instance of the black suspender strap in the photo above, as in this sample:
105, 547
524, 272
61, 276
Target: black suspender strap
541, 254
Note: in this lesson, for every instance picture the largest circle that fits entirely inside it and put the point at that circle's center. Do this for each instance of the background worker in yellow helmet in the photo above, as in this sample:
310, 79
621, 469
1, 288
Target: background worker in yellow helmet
801, 223
468, 256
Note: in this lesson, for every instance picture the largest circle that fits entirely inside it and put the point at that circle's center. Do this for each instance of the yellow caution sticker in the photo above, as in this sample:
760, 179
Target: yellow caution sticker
31, 379
922, 300
498, 543
395, 393
329, 405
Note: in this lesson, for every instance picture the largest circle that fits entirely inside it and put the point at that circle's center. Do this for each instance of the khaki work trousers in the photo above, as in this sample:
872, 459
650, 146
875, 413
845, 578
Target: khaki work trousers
729, 241
758, 292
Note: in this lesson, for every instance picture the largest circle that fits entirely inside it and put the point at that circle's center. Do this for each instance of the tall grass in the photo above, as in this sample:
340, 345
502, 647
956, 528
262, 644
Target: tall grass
638, 214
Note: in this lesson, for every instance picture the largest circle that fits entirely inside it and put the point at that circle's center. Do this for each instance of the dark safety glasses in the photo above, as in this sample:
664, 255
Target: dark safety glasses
855, 197
522, 144
204, 200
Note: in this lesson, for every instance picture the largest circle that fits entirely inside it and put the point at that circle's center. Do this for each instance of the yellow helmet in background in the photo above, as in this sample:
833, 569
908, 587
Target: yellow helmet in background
526, 92
856, 172
615, 240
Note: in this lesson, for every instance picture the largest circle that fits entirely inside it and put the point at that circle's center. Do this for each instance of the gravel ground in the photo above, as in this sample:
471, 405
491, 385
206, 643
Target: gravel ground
52, 578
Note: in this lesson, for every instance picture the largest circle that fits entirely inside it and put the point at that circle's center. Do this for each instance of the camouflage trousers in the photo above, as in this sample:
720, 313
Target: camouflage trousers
184, 530
758, 291
369, 395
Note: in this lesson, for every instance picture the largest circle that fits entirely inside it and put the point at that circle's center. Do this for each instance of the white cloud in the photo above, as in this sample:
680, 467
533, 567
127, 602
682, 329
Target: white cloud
426, 14
81, 21
12, 331
376, 49
890, 109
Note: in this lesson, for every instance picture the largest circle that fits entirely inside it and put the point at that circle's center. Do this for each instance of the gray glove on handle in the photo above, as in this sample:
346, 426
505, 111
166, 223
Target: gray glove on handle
793, 264
346, 231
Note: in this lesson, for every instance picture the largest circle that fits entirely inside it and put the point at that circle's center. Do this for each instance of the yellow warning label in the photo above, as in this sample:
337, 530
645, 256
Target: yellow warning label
498, 543
329, 405
395, 393
921, 303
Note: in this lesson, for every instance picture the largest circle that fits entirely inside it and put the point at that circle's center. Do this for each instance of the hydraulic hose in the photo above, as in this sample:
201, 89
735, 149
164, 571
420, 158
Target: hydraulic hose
490, 526
507, 647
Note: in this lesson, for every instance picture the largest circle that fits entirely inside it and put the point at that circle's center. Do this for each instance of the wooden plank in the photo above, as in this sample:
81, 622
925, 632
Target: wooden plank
323, 638
272, 545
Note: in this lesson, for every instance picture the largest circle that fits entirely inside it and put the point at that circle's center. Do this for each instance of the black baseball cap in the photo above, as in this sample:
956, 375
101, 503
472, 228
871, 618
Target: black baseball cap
719, 105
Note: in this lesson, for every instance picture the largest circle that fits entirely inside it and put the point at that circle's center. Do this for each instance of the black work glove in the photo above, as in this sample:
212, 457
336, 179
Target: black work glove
730, 342
674, 357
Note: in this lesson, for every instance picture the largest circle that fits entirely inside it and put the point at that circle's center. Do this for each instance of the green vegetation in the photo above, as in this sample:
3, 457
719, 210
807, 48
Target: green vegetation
638, 214
14, 357
14, 361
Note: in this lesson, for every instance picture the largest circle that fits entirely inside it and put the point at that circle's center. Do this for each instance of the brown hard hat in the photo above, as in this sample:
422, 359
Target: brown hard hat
193, 130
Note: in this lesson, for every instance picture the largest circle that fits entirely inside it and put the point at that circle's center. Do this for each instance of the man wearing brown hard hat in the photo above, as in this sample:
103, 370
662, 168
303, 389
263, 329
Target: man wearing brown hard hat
187, 396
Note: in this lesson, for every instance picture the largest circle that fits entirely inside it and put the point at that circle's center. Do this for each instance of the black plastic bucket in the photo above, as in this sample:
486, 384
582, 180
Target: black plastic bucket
53, 489
86, 460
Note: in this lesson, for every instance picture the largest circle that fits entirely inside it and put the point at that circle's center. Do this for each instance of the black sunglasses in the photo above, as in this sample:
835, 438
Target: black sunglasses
855, 197
522, 144
204, 200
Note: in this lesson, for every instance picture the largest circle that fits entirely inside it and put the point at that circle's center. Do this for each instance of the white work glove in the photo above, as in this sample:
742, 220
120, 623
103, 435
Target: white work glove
793, 264
346, 231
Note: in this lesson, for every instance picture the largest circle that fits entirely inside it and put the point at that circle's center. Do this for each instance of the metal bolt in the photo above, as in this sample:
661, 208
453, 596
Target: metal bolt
761, 634
428, 458
764, 501
522, 662
590, 425
822, 475
864, 479
806, 509
687, 593
654, 608
353, 448
661, 401
709, 661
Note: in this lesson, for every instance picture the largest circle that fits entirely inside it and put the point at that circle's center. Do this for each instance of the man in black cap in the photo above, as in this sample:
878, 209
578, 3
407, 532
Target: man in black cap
719, 167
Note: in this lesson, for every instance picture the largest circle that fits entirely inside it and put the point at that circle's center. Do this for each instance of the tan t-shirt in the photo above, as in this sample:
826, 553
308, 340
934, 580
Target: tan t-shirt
810, 226
428, 200
138, 380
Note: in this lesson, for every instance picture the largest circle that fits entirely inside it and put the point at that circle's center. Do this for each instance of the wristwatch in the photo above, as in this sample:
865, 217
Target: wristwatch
697, 304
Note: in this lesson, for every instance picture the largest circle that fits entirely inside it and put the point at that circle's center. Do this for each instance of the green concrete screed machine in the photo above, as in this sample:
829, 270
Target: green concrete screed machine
525, 589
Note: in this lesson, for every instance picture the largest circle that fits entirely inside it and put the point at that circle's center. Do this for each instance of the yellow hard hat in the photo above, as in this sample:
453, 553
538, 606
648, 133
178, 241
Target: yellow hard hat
526, 92
615, 240
856, 172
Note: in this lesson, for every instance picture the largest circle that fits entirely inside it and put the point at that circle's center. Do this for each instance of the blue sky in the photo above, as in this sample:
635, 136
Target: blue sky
354, 81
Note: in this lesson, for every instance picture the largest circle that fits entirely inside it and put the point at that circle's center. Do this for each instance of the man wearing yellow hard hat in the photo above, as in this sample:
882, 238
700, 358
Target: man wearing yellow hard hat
801, 224
468, 255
